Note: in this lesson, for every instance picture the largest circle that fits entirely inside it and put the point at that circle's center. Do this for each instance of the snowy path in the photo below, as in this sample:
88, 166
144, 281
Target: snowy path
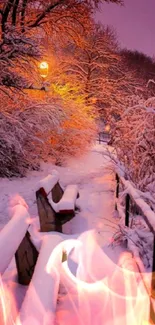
92, 289
96, 182
96, 185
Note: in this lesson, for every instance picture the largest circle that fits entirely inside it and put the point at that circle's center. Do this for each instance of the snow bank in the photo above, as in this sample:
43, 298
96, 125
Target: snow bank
134, 249
12, 234
48, 182
69, 197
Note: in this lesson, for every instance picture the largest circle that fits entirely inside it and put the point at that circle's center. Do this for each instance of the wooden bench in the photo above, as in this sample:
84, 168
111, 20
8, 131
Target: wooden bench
56, 206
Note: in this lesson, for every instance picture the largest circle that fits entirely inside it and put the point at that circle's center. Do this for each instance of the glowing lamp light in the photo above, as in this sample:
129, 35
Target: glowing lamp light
94, 100
43, 66
107, 128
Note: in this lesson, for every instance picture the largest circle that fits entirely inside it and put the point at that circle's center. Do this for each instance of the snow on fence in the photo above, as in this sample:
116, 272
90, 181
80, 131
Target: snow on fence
103, 137
132, 197
132, 194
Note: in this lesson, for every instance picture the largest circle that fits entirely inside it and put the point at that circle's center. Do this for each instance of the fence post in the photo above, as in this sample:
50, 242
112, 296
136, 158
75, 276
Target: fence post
99, 137
117, 189
117, 185
127, 205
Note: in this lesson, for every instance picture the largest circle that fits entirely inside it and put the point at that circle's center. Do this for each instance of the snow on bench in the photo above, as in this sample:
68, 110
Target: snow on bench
47, 215
68, 200
49, 182
56, 210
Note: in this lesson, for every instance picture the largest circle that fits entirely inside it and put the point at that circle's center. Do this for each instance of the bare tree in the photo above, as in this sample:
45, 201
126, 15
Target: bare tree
90, 63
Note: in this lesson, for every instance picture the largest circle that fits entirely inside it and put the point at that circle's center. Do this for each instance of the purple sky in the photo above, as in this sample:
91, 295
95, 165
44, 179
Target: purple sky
134, 23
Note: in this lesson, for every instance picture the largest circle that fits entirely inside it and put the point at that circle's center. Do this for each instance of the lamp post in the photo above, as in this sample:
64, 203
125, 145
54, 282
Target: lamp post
43, 67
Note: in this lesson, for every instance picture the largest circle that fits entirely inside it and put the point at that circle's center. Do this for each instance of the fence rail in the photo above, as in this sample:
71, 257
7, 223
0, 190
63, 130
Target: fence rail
103, 137
133, 198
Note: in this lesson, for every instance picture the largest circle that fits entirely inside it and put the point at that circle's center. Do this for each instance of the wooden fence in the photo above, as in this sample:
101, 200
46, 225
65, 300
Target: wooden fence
103, 137
135, 204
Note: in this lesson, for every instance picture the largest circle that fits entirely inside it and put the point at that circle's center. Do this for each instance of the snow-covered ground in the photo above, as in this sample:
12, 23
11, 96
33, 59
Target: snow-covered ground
96, 183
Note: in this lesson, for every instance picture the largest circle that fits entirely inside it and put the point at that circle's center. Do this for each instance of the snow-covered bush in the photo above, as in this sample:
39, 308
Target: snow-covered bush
134, 140
75, 134
39, 126
25, 135
138, 235
139, 239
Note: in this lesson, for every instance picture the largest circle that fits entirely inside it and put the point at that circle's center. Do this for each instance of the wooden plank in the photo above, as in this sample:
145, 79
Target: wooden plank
57, 193
45, 212
40, 301
65, 216
58, 225
26, 257
127, 206
117, 190
117, 185
148, 214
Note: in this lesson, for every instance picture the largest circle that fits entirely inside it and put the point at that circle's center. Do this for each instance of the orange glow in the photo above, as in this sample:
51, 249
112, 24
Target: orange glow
107, 128
43, 66
93, 100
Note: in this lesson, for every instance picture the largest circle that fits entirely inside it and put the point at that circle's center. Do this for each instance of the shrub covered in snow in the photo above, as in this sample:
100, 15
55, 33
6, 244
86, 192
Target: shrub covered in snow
134, 140
139, 239
38, 126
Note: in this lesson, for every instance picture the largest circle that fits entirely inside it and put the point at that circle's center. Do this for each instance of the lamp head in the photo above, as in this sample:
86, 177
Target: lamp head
43, 66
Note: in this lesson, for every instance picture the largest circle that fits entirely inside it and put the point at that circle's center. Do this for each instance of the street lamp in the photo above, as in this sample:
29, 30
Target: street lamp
43, 66
107, 128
